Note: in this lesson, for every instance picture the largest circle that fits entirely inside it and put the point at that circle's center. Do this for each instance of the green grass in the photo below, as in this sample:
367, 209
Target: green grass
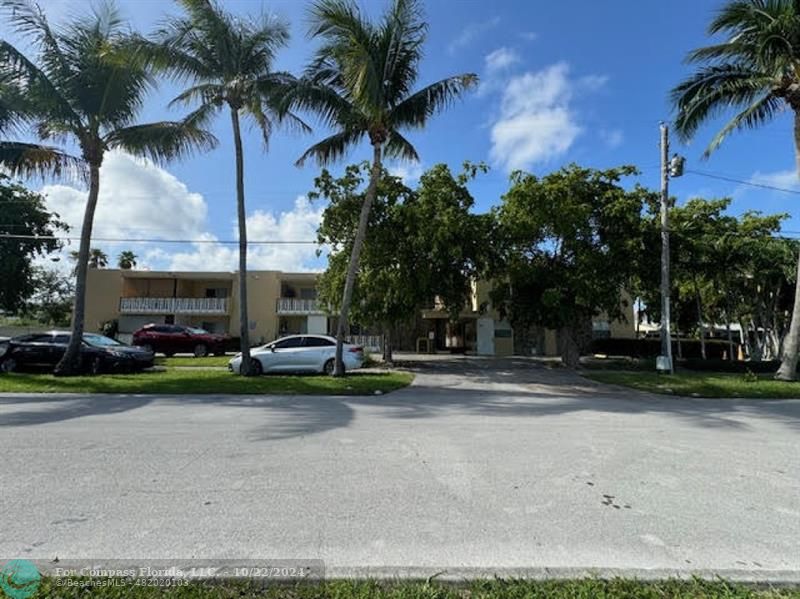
490, 589
702, 384
192, 381
192, 361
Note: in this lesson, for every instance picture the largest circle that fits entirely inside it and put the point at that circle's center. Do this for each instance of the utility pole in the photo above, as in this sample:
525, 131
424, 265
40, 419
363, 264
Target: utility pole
669, 168
664, 362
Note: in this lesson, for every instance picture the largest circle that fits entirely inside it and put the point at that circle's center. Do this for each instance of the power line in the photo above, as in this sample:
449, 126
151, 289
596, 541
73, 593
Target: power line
140, 240
742, 182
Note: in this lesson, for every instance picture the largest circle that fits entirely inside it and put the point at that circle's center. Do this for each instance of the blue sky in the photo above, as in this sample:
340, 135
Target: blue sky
583, 82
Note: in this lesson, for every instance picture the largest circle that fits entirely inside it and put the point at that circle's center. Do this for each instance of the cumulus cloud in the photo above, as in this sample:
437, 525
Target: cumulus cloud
298, 224
134, 197
470, 33
536, 122
141, 201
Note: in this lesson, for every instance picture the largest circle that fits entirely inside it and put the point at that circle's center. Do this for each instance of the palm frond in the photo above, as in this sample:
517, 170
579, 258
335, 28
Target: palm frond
713, 89
36, 160
330, 106
332, 148
758, 113
398, 146
162, 141
403, 34
416, 109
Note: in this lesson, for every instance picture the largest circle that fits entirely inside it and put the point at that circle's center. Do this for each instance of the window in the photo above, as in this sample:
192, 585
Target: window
288, 343
99, 340
317, 342
35, 338
61, 339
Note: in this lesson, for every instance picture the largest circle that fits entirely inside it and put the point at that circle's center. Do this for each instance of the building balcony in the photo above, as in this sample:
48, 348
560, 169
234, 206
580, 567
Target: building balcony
173, 305
295, 306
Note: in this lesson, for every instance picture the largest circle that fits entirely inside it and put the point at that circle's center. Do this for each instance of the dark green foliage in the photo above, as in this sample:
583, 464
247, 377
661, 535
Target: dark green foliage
23, 213
568, 244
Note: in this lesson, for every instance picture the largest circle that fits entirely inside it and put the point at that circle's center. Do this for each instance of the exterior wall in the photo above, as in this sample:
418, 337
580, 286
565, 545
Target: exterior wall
103, 290
263, 289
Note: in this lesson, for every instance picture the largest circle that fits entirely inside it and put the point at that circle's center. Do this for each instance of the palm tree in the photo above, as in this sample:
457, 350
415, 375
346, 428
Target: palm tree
360, 83
756, 69
83, 86
126, 260
97, 258
228, 63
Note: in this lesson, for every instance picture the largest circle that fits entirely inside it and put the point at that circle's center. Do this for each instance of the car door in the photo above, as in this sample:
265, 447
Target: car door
317, 350
285, 356
59, 347
33, 349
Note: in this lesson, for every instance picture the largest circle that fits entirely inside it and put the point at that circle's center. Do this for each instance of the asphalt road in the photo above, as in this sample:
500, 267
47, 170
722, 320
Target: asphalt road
479, 467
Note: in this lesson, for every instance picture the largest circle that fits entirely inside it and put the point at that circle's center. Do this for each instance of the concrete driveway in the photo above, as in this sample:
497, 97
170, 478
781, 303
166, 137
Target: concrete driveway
482, 466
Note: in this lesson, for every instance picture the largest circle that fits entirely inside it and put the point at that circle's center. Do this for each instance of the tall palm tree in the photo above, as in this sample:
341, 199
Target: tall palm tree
227, 61
126, 260
756, 70
360, 83
83, 86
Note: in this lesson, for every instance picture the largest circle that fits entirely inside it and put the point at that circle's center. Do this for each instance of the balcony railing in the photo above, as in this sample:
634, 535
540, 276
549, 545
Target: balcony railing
173, 305
293, 305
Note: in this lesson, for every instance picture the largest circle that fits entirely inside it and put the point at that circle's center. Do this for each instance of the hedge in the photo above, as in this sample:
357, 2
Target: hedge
650, 348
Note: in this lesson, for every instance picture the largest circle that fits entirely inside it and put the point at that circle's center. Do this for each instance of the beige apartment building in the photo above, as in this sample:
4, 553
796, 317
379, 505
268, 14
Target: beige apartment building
282, 303
278, 303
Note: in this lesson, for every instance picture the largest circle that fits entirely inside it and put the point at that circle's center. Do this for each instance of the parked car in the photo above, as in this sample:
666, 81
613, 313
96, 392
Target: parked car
171, 339
300, 353
98, 353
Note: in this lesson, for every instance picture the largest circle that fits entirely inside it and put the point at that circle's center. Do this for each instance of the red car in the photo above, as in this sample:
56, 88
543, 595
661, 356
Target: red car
170, 339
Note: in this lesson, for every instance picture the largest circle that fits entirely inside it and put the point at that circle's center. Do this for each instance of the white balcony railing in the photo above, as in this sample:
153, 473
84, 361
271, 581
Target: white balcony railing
173, 305
293, 305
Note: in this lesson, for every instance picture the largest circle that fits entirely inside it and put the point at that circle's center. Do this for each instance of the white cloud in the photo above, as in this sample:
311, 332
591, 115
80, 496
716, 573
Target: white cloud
135, 196
139, 200
409, 172
529, 36
470, 33
501, 59
536, 122
298, 224
787, 179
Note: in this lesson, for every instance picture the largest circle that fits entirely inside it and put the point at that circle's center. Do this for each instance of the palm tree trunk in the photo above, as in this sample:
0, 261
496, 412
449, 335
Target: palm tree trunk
352, 267
244, 322
788, 368
70, 361
700, 320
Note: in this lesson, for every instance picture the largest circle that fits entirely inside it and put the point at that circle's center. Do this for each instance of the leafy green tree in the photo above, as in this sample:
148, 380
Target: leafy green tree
25, 217
228, 63
360, 83
569, 243
126, 260
419, 244
85, 86
756, 70
52, 298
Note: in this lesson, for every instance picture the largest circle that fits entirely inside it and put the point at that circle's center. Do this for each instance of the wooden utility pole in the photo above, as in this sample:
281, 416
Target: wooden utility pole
665, 359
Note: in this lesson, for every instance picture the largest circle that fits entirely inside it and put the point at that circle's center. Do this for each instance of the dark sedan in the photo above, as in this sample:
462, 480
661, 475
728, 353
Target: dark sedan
98, 353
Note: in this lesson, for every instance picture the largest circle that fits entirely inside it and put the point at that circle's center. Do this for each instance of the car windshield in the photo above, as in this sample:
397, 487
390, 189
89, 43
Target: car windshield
197, 331
101, 341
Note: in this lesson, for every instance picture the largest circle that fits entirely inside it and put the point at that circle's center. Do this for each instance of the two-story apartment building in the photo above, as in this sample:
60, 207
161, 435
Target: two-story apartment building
279, 303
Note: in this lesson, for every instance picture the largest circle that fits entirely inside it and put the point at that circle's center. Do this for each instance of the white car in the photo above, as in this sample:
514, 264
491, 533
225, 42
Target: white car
300, 353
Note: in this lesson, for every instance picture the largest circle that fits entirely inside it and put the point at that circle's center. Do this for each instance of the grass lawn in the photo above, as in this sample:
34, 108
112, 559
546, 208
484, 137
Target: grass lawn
701, 384
492, 589
190, 381
192, 361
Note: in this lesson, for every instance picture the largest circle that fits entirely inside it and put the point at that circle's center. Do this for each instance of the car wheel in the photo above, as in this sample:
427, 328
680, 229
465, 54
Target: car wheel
8, 365
200, 351
96, 365
169, 354
256, 369
330, 366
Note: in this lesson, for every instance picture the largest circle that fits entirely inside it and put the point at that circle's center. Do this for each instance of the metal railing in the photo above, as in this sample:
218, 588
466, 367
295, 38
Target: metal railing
294, 305
372, 343
173, 305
